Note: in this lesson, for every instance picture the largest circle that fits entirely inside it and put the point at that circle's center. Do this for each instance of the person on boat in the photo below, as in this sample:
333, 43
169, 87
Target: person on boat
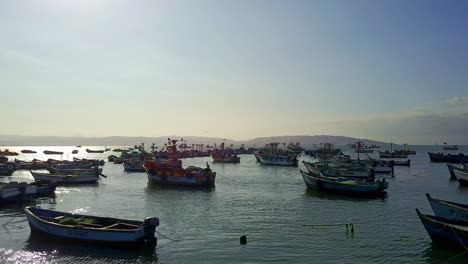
208, 169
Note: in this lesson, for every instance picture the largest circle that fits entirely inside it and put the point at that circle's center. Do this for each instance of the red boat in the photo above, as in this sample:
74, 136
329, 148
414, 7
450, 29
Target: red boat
222, 155
172, 173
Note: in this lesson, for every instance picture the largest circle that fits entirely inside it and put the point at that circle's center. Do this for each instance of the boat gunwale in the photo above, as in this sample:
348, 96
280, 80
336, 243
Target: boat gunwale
101, 229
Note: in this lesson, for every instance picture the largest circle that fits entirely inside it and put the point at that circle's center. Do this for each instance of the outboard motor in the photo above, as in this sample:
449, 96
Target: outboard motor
149, 226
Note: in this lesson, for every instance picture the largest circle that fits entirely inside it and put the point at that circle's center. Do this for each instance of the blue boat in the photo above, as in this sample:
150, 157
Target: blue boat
11, 192
7, 168
94, 229
445, 232
448, 210
449, 158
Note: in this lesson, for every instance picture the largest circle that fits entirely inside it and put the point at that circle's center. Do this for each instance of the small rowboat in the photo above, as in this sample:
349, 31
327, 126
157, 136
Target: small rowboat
91, 228
65, 178
345, 186
51, 152
449, 210
444, 231
94, 151
16, 192
27, 151
134, 167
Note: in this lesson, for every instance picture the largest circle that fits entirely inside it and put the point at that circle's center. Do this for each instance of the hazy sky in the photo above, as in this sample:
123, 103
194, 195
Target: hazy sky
385, 70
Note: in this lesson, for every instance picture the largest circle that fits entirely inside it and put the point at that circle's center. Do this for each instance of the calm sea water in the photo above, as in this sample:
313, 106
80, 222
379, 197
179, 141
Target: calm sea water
269, 205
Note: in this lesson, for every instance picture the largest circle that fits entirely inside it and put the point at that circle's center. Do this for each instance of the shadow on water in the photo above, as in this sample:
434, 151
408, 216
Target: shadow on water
66, 249
438, 254
337, 196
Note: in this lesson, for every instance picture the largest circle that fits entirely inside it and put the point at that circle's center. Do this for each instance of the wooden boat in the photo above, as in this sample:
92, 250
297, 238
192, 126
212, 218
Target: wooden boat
401, 162
462, 177
7, 152
65, 178
16, 192
444, 231
451, 168
279, 160
271, 155
3, 159
7, 169
358, 172
94, 151
79, 146
449, 147
30, 165
392, 155
84, 171
448, 210
75, 151
222, 155
172, 172
364, 150
95, 162
346, 186
27, 151
133, 166
88, 228
449, 158
51, 152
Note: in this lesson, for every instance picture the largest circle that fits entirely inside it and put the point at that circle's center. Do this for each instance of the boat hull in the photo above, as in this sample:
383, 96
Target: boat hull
445, 232
462, 177
182, 181
331, 185
80, 233
449, 210
65, 179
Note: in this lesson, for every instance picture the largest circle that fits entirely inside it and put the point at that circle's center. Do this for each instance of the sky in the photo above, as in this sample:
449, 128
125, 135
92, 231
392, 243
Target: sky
386, 70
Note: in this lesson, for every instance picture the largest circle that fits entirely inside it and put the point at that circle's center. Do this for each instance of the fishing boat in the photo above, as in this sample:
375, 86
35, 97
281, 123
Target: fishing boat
94, 151
3, 159
77, 171
7, 152
28, 151
406, 163
330, 170
451, 168
346, 186
30, 165
444, 231
134, 166
449, 158
51, 152
66, 178
7, 168
462, 177
280, 160
75, 151
172, 173
86, 228
449, 147
392, 154
17, 192
448, 210
222, 155
95, 162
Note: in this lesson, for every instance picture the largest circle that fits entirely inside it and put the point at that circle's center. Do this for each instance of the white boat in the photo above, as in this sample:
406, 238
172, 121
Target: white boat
65, 178
461, 176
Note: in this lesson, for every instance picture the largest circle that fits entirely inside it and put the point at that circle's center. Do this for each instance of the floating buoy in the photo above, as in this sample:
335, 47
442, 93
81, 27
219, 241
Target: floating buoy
243, 240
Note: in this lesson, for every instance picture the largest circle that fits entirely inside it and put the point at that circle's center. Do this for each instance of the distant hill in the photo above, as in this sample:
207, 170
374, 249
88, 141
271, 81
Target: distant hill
304, 140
